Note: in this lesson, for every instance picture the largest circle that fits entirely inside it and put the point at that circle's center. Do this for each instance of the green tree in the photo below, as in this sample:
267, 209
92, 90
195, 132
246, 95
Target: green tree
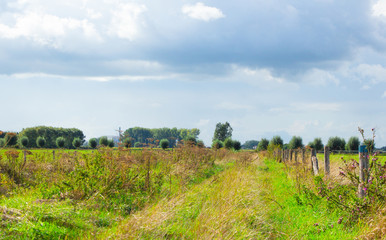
93, 143
263, 145
352, 144
137, 145
217, 144
295, 142
164, 143
60, 141
276, 141
10, 139
127, 142
190, 140
76, 142
250, 144
24, 142
236, 145
110, 143
2, 142
103, 141
316, 144
40, 142
200, 144
222, 131
336, 143
228, 143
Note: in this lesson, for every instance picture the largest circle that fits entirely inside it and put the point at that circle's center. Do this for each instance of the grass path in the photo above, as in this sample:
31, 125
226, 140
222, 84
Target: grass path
254, 201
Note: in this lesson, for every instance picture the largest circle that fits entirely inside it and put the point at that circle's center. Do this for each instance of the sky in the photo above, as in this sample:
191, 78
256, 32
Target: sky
289, 68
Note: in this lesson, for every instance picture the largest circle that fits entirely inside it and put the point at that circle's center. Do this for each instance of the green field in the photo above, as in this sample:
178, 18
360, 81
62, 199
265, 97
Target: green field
187, 193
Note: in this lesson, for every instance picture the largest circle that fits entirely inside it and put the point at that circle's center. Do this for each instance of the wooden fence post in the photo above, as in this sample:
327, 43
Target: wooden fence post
296, 155
314, 162
290, 155
363, 169
53, 155
327, 161
303, 155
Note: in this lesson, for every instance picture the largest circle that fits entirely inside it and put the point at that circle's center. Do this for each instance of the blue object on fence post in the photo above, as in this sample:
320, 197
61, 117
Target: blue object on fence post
362, 148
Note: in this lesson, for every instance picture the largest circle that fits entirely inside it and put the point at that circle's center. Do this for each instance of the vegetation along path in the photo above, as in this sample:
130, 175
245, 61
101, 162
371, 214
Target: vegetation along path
250, 200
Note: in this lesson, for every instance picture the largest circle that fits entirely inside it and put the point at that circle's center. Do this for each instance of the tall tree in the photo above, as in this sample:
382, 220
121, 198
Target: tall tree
222, 131
295, 142
276, 141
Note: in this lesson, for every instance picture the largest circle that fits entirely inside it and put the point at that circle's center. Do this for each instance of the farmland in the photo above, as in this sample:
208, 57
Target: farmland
187, 192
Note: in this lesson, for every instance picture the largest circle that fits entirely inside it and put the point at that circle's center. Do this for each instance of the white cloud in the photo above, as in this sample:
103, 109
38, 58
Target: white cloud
233, 106
371, 73
125, 20
379, 8
202, 12
308, 107
384, 94
46, 29
320, 77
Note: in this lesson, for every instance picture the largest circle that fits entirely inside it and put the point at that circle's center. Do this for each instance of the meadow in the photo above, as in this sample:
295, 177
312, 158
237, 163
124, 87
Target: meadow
184, 193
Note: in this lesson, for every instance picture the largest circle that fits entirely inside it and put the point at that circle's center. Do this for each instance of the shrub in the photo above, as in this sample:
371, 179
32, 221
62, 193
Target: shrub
103, 141
10, 139
236, 145
60, 141
316, 144
263, 144
336, 143
217, 144
190, 140
24, 141
127, 142
2, 142
76, 142
164, 144
296, 142
352, 144
93, 143
40, 142
200, 144
137, 144
111, 143
228, 143
276, 141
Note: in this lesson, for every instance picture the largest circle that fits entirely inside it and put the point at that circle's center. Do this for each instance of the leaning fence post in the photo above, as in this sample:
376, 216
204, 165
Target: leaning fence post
327, 161
314, 162
363, 169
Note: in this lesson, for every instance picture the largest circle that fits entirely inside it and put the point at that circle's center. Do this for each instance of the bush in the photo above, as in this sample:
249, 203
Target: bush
200, 144
263, 145
24, 142
2, 142
190, 140
127, 142
10, 139
60, 141
276, 141
93, 143
217, 144
228, 143
76, 142
103, 141
353, 144
137, 144
336, 143
164, 144
236, 145
111, 143
40, 142
296, 142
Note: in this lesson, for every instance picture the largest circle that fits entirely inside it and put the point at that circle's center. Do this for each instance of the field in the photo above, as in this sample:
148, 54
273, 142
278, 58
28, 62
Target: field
185, 193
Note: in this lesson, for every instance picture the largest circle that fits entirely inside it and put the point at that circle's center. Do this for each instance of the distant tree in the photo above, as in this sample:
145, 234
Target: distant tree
352, 144
250, 144
127, 142
236, 145
200, 144
217, 144
316, 144
23, 142
222, 131
60, 141
228, 143
263, 145
164, 143
276, 141
10, 139
2, 142
295, 142
40, 142
110, 143
190, 140
137, 145
93, 143
103, 141
76, 142
336, 143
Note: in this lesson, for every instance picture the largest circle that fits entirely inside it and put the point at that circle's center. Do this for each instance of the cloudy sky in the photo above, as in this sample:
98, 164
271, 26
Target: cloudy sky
307, 68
